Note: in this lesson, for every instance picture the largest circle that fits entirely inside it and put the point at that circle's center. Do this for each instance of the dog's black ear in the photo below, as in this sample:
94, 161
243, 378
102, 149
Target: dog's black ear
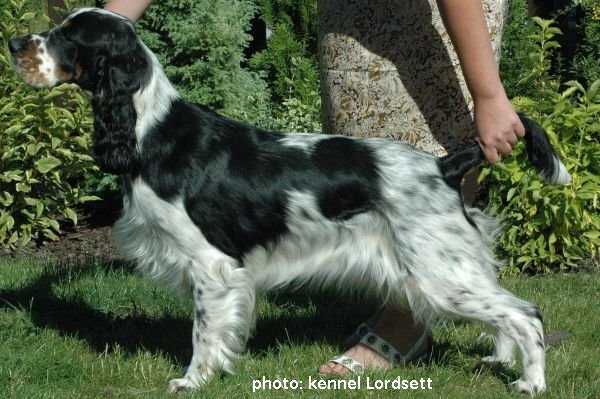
119, 76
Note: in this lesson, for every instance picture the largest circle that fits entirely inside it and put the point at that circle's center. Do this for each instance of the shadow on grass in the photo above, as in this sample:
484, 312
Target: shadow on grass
331, 321
102, 331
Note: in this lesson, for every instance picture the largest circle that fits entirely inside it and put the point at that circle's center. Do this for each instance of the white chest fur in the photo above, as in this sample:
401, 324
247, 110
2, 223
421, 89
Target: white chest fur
160, 236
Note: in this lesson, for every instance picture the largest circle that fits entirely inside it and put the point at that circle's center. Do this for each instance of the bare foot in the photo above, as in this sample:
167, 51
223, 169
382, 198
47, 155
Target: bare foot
395, 326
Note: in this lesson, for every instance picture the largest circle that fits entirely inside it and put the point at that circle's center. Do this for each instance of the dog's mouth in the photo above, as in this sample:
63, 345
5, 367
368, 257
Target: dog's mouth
30, 59
28, 62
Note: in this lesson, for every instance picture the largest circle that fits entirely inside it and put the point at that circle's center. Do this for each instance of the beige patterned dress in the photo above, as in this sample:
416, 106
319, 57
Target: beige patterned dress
388, 69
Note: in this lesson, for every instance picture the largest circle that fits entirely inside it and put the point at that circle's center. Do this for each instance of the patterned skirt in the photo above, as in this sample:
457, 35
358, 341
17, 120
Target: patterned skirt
388, 69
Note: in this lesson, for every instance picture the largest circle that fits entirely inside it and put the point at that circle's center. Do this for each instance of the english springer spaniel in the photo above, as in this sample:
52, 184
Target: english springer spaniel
225, 209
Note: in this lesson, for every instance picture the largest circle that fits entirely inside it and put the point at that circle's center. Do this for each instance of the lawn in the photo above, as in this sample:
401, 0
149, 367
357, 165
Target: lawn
101, 331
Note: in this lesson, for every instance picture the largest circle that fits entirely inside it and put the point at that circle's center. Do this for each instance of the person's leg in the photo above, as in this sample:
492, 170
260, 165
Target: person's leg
380, 79
396, 326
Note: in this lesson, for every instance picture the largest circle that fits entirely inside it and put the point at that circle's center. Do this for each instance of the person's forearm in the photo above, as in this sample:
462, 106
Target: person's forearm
465, 22
132, 9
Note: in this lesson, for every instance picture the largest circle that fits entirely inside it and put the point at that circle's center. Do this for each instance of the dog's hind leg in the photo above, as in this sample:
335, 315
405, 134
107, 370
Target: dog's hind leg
517, 321
504, 350
451, 271
473, 296
224, 302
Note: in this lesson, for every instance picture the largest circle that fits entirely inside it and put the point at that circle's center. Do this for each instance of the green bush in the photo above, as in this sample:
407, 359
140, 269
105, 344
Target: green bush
44, 142
549, 227
290, 63
299, 15
515, 60
200, 43
295, 116
586, 62
518, 49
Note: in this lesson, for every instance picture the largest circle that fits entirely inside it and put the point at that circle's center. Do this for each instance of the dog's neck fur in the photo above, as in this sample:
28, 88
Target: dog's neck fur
153, 101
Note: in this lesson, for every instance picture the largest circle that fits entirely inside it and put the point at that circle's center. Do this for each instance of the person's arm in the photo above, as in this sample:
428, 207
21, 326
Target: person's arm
132, 9
497, 124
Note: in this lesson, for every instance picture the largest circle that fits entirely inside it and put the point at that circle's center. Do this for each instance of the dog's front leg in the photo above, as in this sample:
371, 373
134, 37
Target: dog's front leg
224, 302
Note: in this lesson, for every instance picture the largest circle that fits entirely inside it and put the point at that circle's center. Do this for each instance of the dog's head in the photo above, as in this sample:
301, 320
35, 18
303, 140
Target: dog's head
99, 51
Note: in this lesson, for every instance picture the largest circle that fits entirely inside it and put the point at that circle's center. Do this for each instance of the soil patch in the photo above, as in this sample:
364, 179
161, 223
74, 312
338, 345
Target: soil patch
89, 240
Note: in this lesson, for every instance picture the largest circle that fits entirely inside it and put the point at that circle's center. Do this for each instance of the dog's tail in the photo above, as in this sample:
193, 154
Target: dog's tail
539, 152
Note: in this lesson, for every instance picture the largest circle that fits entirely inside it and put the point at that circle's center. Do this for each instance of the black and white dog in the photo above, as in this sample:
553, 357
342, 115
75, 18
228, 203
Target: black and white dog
228, 209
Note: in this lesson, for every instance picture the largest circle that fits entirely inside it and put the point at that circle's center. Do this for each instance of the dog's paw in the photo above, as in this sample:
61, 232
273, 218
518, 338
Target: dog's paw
529, 388
493, 360
181, 385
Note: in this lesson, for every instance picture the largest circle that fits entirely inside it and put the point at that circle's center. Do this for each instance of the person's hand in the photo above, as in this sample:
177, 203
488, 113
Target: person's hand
498, 126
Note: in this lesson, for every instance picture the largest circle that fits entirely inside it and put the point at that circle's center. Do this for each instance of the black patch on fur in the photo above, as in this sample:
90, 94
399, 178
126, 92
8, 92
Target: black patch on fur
455, 230
234, 179
455, 259
113, 66
305, 215
410, 193
432, 182
454, 166
351, 165
539, 150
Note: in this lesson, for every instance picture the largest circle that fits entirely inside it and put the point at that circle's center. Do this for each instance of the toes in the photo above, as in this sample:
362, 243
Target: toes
339, 369
326, 368
525, 387
180, 385
333, 368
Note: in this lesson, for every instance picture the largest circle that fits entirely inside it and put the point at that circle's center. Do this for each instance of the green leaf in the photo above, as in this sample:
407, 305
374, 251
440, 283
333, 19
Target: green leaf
70, 214
7, 222
56, 142
88, 198
54, 224
81, 141
39, 208
11, 175
23, 187
46, 164
593, 90
50, 234
6, 199
27, 16
13, 129
593, 235
31, 201
33, 149
53, 94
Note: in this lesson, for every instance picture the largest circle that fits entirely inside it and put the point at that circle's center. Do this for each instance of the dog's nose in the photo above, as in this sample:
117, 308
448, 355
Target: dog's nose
16, 44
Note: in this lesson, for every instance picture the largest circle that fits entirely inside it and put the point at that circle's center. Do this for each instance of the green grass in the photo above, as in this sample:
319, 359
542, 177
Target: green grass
101, 331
